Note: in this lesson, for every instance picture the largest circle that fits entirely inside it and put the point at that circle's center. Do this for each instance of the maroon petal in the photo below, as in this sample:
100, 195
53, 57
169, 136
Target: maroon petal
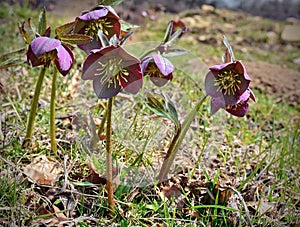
213, 108
240, 110
41, 45
134, 81
31, 58
64, 59
104, 90
88, 47
163, 64
210, 87
161, 81
94, 14
144, 63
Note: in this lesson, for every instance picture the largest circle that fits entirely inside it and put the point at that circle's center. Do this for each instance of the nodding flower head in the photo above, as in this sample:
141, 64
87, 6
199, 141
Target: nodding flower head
103, 18
44, 50
159, 68
112, 69
228, 85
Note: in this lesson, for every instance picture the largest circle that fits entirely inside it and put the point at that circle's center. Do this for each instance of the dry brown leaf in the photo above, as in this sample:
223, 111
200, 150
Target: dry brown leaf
43, 171
60, 215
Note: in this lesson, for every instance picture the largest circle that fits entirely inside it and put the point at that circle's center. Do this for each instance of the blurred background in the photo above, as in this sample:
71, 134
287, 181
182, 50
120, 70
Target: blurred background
275, 9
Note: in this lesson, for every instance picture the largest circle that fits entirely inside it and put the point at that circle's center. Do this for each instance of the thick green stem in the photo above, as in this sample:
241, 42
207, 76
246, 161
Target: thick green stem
33, 109
109, 177
177, 140
170, 156
52, 113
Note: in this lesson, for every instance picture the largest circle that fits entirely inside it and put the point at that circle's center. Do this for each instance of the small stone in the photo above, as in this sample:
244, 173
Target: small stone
207, 8
297, 61
291, 33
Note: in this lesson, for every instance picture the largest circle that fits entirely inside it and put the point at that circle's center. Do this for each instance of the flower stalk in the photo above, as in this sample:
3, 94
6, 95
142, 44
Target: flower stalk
109, 177
52, 112
177, 140
33, 109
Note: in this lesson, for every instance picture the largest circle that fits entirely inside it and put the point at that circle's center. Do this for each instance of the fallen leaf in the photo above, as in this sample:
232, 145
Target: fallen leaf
43, 171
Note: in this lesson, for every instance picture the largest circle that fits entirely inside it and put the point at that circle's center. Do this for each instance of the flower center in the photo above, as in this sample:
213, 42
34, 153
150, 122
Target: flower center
153, 71
234, 107
96, 25
47, 57
111, 72
228, 81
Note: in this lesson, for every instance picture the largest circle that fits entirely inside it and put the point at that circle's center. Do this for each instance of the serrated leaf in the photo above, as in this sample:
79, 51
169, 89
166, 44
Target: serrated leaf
125, 26
173, 52
42, 22
65, 28
75, 39
229, 49
110, 2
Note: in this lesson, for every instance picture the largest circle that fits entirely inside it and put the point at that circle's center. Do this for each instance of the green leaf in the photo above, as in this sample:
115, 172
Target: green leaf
174, 38
42, 22
65, 28
110, 2
168, 32
125, 26
75, 39
164, 108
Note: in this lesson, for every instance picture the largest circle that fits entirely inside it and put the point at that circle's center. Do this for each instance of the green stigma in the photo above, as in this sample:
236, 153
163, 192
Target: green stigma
111, 72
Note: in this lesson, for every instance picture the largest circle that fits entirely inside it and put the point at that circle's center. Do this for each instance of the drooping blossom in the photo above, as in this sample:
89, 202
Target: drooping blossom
103, 18
111, 69
159, 68
176, 25
228, 85
43, 50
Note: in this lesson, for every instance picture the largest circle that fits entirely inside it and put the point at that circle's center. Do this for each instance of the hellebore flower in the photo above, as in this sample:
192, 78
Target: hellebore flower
176, 25
111, 69
159, 69
103, 18
228, 85
43, 50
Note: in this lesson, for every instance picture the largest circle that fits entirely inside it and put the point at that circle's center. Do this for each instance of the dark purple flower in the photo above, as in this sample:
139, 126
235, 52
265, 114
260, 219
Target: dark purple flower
159, 69
111, 69
228, 85
103, 18
43, 50
227, 81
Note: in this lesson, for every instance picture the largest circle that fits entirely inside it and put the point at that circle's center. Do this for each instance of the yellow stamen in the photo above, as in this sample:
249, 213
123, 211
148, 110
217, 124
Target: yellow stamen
228, 81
